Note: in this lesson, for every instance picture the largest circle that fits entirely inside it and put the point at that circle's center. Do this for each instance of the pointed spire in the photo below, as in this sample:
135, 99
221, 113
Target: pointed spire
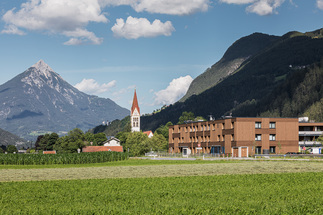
135, 103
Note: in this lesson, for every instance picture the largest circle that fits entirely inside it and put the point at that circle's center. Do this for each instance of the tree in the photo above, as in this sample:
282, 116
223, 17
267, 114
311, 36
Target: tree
12, 149
185, 117
76, 134
99, 138
164, 130
46, 142
53, 137
122, 136
71, 142
96, 139
158, 143
1, 150
137, 142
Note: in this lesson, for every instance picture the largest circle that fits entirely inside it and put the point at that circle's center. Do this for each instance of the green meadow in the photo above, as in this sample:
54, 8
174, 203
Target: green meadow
164, 187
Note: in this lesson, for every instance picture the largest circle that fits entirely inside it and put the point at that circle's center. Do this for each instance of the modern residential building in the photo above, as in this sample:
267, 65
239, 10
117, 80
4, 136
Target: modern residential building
237, 136
309, 132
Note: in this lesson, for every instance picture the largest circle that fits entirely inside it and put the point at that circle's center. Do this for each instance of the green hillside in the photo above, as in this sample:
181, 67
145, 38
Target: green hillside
7, 138
115, 127
260, 84
237, 53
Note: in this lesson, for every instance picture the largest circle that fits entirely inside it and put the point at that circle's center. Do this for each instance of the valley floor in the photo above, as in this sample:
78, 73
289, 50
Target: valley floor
143, 168
164, 187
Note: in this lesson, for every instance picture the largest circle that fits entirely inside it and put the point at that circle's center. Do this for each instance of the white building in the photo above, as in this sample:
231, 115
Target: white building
112, 142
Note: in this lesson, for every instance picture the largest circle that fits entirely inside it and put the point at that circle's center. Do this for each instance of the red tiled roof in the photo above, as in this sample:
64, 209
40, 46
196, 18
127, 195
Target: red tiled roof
102, 148
135, 103
147, 132
49, 152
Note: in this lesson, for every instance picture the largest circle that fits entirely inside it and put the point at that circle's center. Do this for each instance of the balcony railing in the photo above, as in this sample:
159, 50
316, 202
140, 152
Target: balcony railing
310, 133
309, 143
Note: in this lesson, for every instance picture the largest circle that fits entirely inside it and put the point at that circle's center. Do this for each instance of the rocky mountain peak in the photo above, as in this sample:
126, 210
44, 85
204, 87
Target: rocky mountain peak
41, 74
42, 69
40, 100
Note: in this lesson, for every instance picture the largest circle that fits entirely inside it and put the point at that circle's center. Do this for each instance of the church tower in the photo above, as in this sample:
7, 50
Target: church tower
135, 114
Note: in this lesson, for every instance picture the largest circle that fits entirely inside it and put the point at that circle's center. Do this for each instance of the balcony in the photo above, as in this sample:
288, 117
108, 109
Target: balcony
310, 133
309, 143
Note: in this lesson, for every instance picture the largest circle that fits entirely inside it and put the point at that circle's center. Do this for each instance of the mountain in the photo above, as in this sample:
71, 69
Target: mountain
237, 53
273, 77
40, 100
7, 138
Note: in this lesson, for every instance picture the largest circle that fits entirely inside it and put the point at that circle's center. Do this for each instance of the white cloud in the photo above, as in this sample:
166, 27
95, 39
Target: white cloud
124, 90
319, 4
134, 28
90, 86
264, 7
175, 90
237, 1
260, 7
171, 7
68, 18
11, 29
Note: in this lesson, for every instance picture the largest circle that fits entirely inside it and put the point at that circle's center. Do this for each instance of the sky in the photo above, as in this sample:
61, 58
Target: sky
109, 48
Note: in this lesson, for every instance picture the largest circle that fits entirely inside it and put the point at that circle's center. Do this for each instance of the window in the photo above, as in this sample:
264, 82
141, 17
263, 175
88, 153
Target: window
258, 137
258, 124
218, 137
232, 137
272, 125
232, 124
258, 150
272, 149
272, 137
222, 125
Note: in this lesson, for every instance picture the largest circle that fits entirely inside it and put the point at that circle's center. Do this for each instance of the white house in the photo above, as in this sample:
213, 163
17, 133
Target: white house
112, 142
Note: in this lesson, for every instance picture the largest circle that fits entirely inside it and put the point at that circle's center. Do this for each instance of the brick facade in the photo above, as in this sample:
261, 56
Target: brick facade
259, 135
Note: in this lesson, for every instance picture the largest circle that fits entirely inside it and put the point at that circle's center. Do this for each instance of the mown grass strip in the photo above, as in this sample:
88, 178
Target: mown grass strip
290, 193
260, 167
130, 162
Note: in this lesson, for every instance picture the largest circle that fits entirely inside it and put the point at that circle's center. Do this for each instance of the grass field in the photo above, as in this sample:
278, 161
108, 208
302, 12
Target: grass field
165, 187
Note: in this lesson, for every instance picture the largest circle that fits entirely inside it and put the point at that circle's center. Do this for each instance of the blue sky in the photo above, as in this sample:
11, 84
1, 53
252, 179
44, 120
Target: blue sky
109, 47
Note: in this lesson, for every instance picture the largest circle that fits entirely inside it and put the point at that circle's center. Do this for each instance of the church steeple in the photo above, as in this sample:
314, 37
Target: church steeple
135, 103
135, 114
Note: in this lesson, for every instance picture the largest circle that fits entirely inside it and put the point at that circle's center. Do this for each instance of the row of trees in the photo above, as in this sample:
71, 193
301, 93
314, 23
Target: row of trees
8, 149
138, 143
75, 139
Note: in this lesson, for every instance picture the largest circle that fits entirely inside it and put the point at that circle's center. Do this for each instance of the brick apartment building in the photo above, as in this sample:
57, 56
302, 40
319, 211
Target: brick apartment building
239, 136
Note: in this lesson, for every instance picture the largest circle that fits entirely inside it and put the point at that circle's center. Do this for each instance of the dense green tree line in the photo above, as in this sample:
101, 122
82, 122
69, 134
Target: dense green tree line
75, 139
138, 143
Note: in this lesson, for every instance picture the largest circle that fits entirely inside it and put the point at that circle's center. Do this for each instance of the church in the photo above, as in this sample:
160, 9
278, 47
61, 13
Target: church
135, 115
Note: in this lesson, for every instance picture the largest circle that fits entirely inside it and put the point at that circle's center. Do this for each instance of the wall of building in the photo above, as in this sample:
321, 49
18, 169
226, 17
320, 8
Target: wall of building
219, 136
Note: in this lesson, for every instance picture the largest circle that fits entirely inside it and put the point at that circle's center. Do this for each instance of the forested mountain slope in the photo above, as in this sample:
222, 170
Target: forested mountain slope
237, 53
258, 82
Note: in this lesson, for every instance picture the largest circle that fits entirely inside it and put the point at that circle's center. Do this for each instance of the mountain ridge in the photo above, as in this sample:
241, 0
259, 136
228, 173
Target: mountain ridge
39, 99
255, 79
238, 53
